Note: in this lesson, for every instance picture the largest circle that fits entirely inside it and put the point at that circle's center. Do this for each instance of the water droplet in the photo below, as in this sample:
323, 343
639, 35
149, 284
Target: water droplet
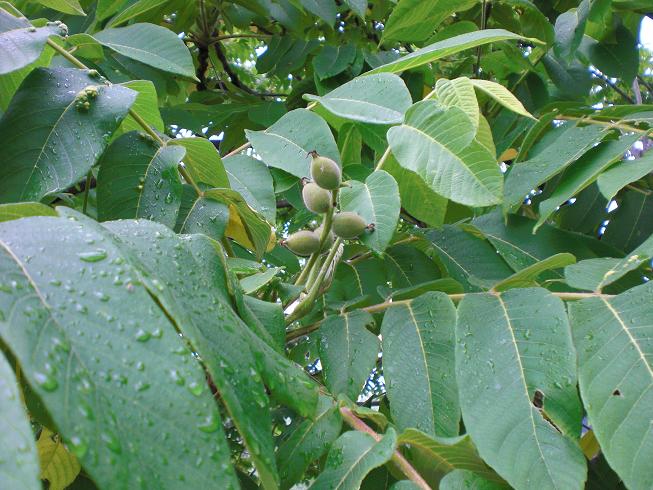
45, 381
93, 256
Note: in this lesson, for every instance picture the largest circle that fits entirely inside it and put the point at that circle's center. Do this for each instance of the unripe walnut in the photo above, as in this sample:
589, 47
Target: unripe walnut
316, 199
348, 225
303, 243
325, 173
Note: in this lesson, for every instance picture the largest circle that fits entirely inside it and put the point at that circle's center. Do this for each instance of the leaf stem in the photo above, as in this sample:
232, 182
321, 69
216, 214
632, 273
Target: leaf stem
238, 150
63, 52
326, 228
623, 126
403, 464
383, 158
305, 305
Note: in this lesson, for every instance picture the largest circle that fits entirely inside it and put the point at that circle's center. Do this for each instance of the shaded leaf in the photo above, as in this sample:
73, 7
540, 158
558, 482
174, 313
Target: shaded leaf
526, 277
583, 172
467, 480
307, 441
418, 364
613, 338
571, 143
348, 352
332, 60
631, 223
139, 179
619, 176
510, 347
352, 457
443, 455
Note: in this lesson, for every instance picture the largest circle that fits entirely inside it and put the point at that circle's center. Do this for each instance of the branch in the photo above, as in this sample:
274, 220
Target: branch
234, 77
403, 464
613, 85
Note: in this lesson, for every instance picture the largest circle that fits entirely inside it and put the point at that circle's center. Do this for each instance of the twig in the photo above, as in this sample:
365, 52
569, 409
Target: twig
625, 127
403, 464
613, 85
237, 150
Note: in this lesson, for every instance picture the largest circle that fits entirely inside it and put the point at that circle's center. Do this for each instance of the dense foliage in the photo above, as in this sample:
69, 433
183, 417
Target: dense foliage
329, 243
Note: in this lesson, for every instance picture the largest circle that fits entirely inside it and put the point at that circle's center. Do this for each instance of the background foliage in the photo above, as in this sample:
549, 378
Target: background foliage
492, 328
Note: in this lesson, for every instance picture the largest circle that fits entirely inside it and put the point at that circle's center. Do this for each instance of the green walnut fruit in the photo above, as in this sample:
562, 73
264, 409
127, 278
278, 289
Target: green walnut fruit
325, 173
330, 238
348, 225
316, 199
303, 243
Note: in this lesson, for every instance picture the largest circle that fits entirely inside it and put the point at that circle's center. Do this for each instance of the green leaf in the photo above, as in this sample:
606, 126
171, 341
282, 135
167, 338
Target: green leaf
352, 457
136, 9
571, 143
527, 276
502, 95
516, 370
515, 242
465, 255
287, 142
373, 99
619, 176
307, 441
58, 466
333, 60
583, 172
49, 146
146, 106
418, 364
86, 46
213, 329
21, 43
446, 285
437, 144
66, 6
444, 48
203, 161
406, 21
10, 82
467, 480
111, 353
572, 79
19, 467
631, 223
252, 179
253, 283
376, 201
619, 60
414, 192
569, 29
595, 274
459, 92
445, 454
358, 7
139, 179
613, 338
348, 352
106, 8
18, 210
409, 266
152, 45
324, 9
204, 215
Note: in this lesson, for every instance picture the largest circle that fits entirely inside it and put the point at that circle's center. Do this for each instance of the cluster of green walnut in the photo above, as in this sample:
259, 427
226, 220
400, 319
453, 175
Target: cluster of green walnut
318, 196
